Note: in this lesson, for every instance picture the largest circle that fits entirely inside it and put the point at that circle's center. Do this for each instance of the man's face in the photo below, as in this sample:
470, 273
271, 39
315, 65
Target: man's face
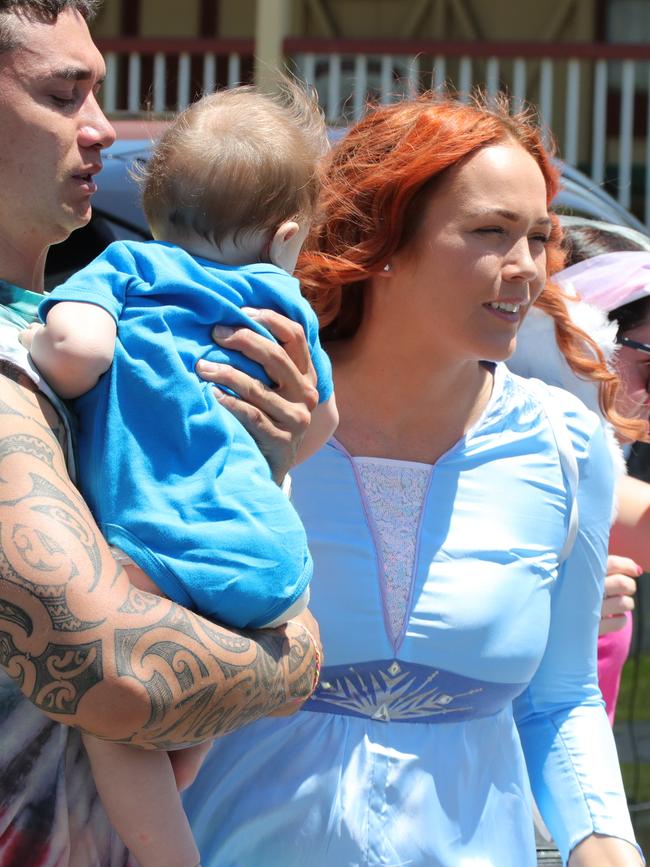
51, 131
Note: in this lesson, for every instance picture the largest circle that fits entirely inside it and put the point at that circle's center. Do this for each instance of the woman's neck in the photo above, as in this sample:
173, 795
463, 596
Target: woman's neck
404, 401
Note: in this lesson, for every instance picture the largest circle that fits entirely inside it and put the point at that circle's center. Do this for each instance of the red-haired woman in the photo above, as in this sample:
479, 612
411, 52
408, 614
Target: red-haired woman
459, 526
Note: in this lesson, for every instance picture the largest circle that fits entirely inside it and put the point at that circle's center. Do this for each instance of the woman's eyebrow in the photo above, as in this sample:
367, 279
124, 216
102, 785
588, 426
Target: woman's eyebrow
511, 216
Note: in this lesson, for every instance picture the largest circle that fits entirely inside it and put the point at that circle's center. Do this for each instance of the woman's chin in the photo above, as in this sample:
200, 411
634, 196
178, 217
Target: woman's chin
500, 351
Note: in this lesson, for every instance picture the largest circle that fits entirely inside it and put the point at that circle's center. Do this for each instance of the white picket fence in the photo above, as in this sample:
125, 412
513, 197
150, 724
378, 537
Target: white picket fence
595, 98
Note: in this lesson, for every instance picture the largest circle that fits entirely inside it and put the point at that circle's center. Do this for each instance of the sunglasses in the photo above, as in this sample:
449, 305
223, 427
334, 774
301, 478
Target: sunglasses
633, 344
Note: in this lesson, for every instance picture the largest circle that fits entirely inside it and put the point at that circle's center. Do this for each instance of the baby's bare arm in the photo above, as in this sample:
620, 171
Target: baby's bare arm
74, 347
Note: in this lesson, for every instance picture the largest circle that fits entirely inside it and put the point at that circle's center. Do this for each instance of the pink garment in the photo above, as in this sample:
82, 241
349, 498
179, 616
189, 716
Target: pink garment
613, 650
610, 280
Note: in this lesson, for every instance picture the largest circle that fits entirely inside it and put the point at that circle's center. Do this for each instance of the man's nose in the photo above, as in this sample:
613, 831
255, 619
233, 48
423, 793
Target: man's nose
96, 130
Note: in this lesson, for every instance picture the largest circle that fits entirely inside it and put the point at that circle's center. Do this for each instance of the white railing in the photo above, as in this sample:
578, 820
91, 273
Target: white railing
595, 98
159, 76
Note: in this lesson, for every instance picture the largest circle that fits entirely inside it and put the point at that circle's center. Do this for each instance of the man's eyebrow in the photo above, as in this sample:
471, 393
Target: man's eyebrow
512, 216
74, 73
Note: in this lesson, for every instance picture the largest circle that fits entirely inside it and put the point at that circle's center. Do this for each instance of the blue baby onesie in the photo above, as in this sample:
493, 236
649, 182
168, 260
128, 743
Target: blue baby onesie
173, 479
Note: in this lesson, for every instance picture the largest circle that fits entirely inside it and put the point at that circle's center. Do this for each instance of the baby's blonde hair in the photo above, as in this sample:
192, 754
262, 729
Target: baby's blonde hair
236, 161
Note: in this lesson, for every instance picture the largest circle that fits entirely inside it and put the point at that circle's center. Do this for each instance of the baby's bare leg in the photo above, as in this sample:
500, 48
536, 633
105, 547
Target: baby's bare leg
138, 791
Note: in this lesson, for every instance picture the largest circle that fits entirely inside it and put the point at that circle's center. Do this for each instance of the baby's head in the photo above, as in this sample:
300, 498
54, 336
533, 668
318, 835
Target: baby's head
235, 177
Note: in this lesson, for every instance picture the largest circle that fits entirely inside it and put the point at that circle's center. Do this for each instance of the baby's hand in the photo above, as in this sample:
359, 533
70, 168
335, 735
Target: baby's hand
26, 337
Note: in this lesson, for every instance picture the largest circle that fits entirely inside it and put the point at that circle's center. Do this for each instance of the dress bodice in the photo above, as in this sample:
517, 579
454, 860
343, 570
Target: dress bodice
393, 494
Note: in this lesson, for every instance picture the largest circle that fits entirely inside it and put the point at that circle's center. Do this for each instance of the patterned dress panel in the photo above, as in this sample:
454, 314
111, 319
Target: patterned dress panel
394, 493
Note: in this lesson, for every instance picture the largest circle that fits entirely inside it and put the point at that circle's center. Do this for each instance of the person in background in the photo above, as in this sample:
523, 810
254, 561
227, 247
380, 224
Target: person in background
459, 525
606, 284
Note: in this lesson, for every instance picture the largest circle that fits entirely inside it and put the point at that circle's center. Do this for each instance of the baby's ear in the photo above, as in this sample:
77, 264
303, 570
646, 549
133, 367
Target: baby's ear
282, 249
284, 233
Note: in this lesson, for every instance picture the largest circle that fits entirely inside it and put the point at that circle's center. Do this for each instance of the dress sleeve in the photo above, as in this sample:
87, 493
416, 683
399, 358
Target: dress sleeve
104, 282
567, 740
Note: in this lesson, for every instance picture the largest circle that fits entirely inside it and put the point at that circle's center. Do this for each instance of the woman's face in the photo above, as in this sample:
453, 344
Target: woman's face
633, 367
478, 259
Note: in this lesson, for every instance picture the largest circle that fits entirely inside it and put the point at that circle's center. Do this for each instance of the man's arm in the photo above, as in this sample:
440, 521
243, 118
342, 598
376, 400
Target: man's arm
87, 648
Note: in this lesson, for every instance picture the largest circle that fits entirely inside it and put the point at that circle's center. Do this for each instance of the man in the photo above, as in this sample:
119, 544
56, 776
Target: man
78, 644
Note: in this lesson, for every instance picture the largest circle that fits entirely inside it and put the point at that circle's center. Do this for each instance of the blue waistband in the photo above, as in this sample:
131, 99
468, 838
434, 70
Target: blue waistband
390, 690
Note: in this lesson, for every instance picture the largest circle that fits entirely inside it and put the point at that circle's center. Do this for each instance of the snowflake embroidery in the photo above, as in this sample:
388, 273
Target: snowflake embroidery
394, 691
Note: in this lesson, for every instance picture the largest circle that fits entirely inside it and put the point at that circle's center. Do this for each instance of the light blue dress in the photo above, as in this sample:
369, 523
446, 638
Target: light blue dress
445, 678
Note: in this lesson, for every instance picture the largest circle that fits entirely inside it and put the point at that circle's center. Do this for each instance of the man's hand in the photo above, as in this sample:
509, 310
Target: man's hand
276, 417
620, 587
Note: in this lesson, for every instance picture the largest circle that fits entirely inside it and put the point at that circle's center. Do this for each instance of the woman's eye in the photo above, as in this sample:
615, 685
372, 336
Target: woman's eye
541, 239
486, 230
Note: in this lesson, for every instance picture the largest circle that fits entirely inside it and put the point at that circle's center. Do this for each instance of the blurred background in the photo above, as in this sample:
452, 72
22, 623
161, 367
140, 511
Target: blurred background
584, 63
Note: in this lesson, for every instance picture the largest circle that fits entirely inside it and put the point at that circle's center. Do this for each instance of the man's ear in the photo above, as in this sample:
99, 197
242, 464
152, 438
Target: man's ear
282, 235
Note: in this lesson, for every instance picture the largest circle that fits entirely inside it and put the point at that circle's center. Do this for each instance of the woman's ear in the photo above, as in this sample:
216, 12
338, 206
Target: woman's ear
385, 271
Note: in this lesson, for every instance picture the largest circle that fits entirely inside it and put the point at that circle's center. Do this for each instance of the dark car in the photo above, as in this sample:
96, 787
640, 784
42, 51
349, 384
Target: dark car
117, 213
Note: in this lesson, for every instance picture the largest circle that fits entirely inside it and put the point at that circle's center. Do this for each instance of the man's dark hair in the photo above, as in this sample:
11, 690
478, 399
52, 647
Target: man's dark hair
37, 10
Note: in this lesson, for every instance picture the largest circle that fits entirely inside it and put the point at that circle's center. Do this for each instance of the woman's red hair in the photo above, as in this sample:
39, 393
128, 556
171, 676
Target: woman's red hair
375, 189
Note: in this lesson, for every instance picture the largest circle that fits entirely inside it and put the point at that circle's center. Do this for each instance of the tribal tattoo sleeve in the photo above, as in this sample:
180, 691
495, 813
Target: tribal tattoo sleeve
86, 647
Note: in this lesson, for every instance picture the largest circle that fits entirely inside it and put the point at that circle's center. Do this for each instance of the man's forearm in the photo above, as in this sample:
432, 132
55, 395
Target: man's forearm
172, 680
85, 646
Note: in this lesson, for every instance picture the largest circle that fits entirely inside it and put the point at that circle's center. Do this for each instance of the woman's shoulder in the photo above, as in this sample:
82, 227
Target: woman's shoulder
556, 406
537, 353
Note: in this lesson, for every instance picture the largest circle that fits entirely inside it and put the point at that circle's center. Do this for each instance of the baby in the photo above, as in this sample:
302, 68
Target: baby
175, 482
